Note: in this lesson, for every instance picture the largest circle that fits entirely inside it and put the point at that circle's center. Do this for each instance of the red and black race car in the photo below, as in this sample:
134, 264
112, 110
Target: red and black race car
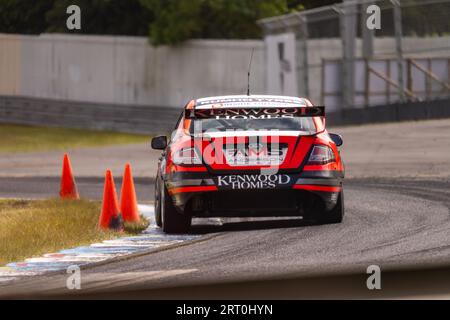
249, 156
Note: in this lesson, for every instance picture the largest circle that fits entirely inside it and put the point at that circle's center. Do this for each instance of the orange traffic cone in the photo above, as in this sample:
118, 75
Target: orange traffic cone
128, 200
68, 186
110, 217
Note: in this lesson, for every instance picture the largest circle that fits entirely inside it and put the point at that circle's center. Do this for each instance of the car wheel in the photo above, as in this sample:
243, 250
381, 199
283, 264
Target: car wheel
158, 205
337, 214
171, 220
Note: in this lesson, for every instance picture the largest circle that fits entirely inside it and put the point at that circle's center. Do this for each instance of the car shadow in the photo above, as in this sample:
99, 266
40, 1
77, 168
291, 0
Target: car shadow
200, 228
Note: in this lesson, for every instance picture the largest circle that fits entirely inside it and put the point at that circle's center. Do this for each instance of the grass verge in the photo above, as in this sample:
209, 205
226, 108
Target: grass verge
33, 228
136, 228
19, 138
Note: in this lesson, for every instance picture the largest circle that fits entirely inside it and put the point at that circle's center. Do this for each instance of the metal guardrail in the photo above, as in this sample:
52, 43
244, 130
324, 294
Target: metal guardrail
156, 120
397, 112
87, 115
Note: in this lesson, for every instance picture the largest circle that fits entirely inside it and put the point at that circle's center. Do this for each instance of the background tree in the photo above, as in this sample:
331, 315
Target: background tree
112, 17
179, 20
174, 21
167, 21
24, 16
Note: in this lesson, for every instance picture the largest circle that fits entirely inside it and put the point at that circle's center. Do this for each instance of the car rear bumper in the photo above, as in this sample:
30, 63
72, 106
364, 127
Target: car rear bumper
283, 194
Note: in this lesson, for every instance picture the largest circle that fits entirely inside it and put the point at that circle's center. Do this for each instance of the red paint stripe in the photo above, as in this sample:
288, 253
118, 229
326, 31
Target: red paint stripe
175, 168
317, 188
326, 167
192, 189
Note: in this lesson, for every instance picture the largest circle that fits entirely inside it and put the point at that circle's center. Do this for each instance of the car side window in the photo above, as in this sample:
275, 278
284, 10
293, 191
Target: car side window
177, 125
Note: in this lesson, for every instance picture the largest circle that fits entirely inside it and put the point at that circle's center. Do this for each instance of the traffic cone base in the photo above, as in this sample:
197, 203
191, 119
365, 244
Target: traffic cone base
116, 223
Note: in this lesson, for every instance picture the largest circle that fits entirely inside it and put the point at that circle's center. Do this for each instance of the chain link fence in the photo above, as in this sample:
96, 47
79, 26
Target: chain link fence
362, 53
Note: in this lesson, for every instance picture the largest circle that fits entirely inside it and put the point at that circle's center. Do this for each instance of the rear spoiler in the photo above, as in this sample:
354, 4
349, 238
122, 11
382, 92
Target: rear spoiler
255, 113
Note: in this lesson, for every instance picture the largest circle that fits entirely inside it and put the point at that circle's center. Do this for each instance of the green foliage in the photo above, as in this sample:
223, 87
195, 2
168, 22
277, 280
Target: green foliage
179, 20
305, 5
24, 16
166, 21
435, 21
114, 17
174, 21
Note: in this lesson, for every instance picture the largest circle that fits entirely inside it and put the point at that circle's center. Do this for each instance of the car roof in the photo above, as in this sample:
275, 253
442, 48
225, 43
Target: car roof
252, 101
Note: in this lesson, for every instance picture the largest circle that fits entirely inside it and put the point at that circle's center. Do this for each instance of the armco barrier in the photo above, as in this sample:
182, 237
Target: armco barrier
151, 120
125, 118
411, 111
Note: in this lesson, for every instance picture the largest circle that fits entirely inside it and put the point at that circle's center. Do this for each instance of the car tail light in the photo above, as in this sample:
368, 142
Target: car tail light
321, 155
186, 156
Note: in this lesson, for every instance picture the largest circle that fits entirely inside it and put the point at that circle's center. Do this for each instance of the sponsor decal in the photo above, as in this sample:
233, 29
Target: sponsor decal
253, 181
255, 113
255, 154
219, 100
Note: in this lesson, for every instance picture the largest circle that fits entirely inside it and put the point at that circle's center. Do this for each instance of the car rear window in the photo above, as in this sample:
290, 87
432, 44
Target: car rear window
302, 124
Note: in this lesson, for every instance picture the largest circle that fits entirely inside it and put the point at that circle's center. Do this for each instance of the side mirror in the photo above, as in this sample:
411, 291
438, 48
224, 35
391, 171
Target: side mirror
159, 142
337, 139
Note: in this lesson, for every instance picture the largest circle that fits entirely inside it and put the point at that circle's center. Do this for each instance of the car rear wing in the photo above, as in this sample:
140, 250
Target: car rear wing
255, 113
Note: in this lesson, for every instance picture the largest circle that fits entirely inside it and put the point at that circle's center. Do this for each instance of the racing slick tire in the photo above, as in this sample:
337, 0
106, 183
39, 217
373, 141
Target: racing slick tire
158, 205
336, 215
171, 220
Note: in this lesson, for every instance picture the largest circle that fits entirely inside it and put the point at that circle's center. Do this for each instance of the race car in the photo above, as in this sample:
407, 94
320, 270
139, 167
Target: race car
249, 156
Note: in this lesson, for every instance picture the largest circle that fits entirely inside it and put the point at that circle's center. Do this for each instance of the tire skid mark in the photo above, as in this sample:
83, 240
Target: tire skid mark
153, 237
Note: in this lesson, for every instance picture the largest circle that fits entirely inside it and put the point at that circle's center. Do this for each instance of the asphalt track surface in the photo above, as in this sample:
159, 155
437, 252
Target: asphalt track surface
398, 219
90, 188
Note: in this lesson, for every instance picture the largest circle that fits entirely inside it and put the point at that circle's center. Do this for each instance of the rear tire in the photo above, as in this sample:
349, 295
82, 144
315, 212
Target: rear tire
158, 220
337, 214
172, 221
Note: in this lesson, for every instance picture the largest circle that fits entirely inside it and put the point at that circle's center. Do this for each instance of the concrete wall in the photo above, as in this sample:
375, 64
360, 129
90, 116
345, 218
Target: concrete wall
126, 70
10, 65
